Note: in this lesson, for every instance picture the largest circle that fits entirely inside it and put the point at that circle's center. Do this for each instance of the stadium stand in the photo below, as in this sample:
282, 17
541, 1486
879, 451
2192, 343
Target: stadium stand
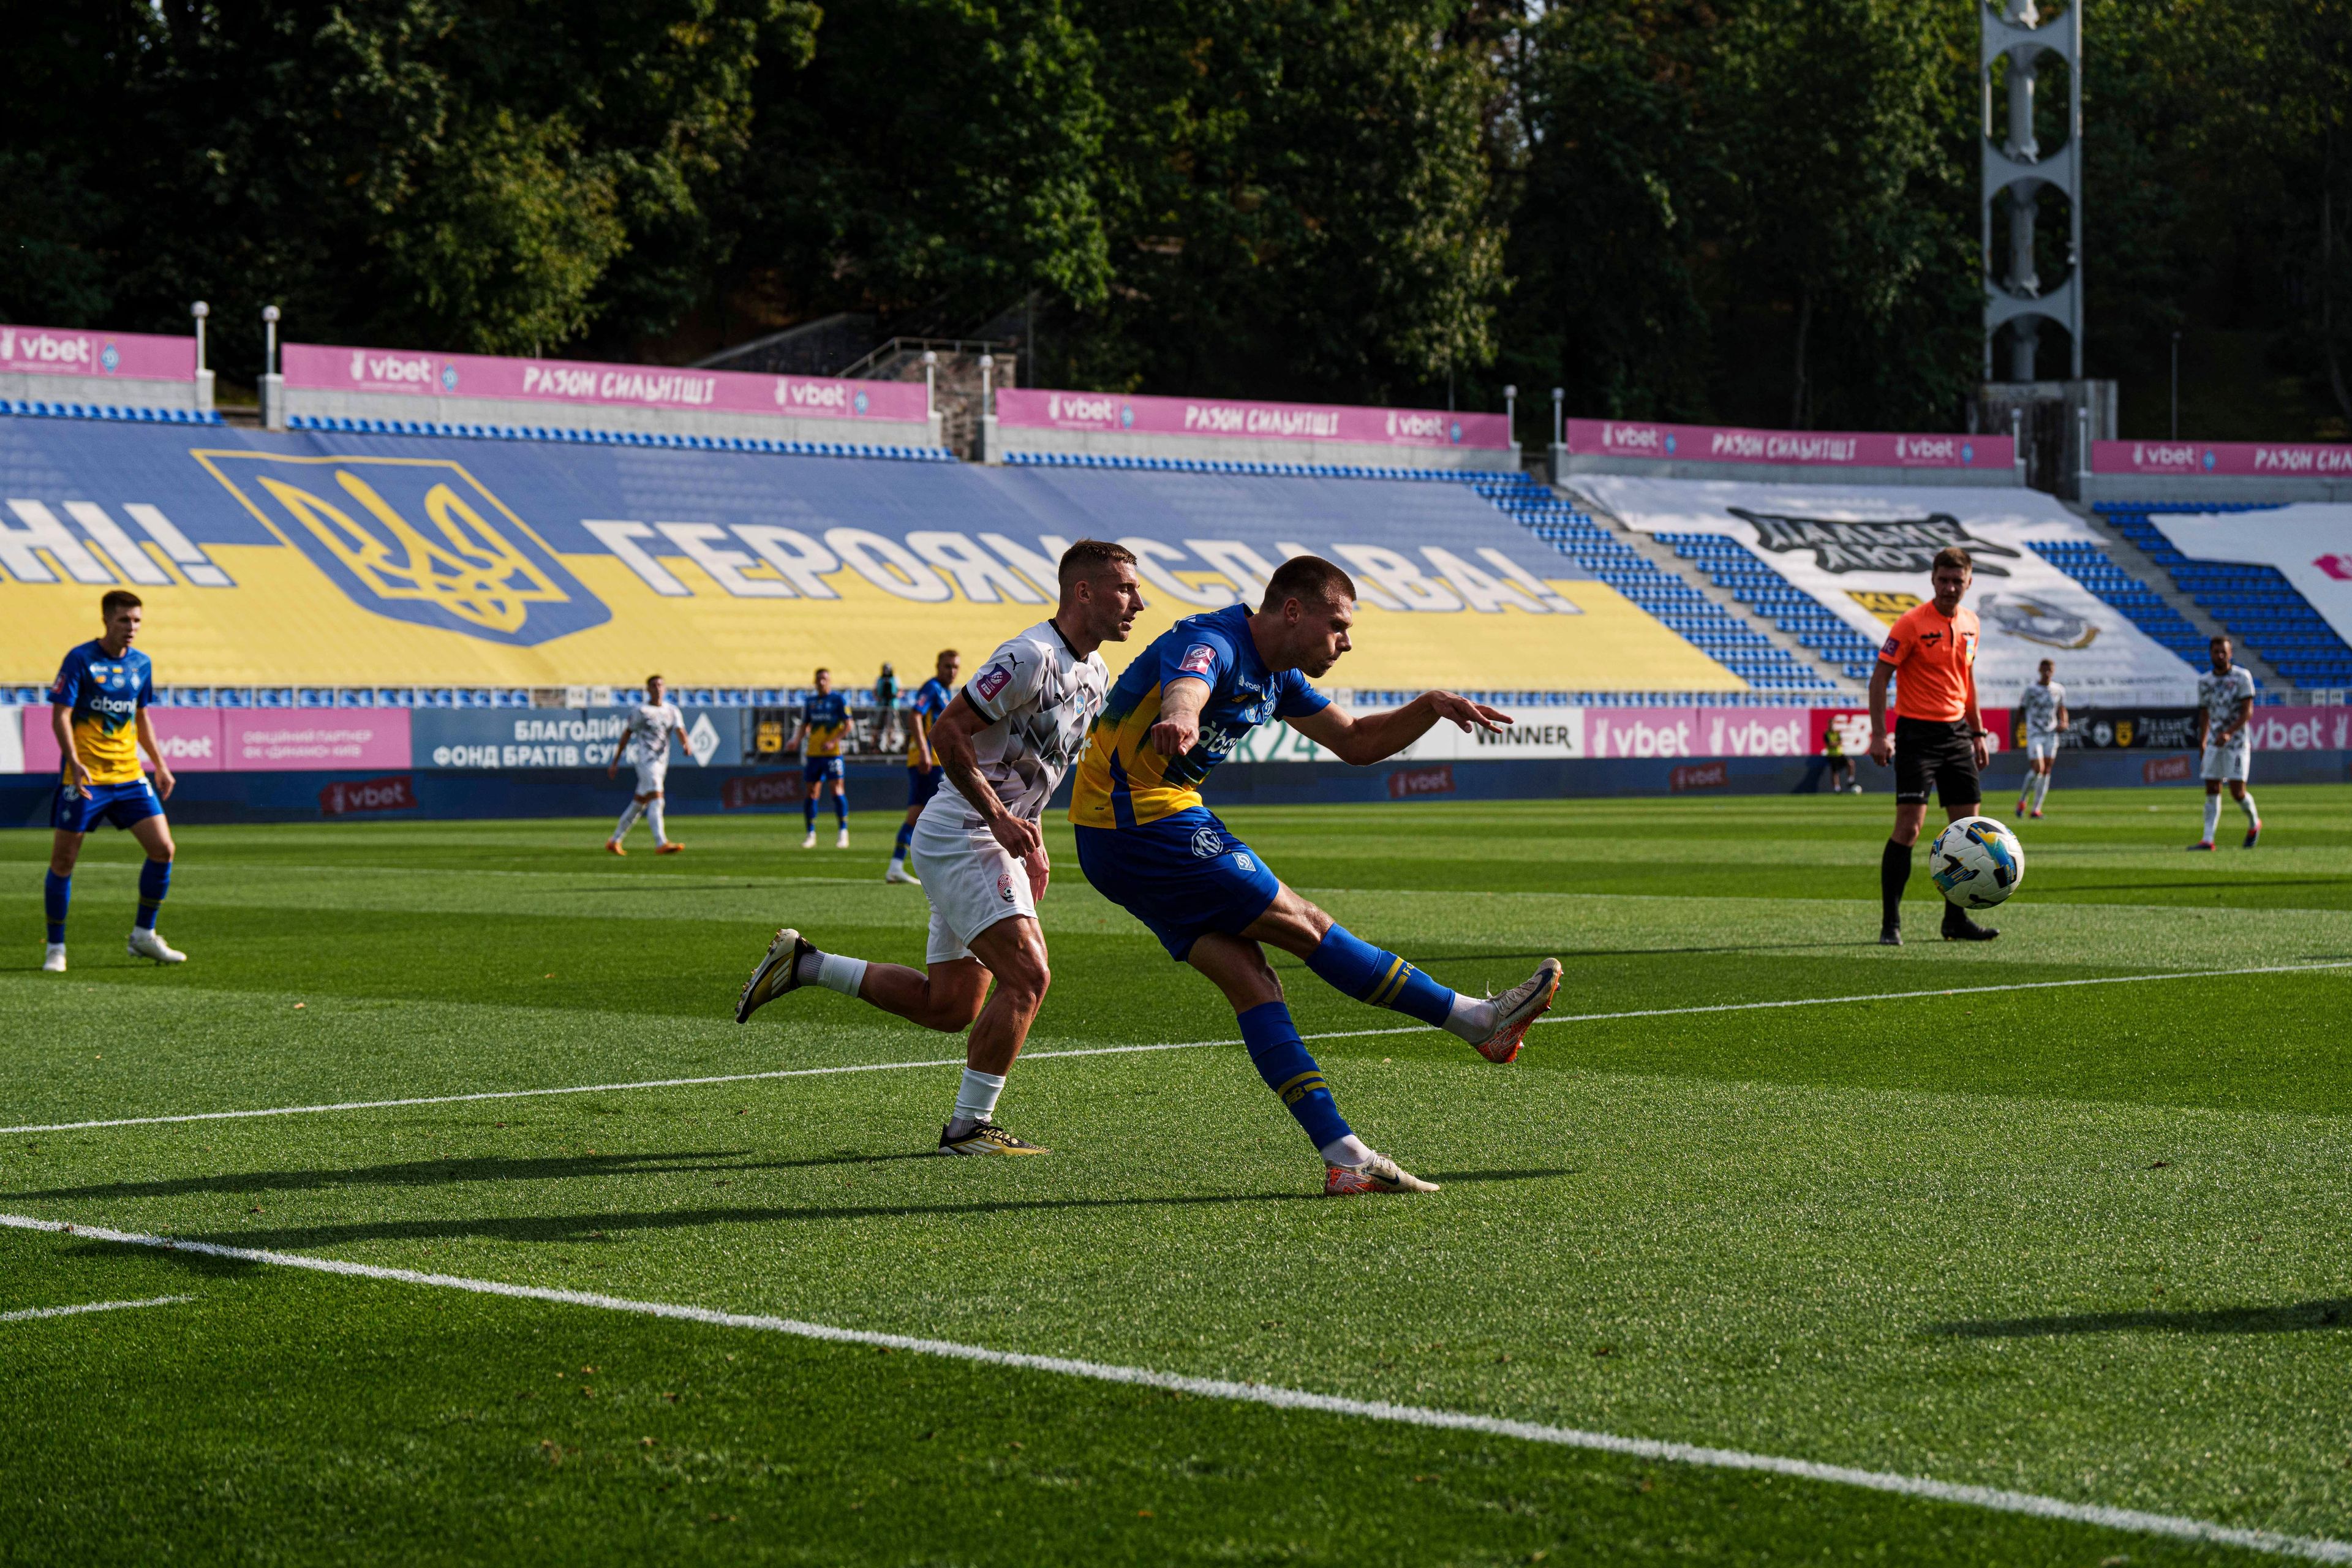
1676, 604
2256, 604
1736, 569
2090, 566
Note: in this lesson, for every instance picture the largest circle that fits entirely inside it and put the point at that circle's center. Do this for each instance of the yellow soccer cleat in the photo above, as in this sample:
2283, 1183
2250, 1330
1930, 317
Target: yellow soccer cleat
986, 1138
778, 973
1378, 1174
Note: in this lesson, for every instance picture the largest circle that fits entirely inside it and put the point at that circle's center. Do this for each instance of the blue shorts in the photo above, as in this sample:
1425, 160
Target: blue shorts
816, 770
924, 782
77, 810
1184, 876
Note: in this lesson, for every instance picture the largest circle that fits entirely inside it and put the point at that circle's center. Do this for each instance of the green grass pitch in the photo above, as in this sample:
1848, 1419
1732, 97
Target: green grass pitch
2088, 1243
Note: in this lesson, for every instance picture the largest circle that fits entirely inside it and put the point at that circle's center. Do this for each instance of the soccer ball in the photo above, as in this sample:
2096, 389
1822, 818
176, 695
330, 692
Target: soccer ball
1976, 862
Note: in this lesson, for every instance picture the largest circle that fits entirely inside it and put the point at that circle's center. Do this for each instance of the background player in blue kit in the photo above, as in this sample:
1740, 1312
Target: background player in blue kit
924, 774
823, 736
97, 704
1148, 842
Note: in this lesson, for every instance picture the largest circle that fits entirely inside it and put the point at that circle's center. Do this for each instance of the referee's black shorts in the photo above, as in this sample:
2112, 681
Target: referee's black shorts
1929, 751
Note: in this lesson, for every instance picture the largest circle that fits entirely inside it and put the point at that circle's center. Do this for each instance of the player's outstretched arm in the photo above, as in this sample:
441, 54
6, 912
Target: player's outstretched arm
951, 739
1378, 736
1179, 729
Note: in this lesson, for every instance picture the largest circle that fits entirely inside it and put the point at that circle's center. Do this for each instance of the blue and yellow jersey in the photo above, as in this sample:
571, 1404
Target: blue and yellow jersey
931, 699
828, 718
105, 693
1122, 782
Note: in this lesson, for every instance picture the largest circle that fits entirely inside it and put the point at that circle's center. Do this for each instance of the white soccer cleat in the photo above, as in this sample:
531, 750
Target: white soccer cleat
809, 842
53, 960
145, 943
1516, 1008
899, 873
842, 841
1378, 1174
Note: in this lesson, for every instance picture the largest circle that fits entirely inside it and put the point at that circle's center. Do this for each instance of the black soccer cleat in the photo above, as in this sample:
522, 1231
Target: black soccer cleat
1958, 927
1891, 934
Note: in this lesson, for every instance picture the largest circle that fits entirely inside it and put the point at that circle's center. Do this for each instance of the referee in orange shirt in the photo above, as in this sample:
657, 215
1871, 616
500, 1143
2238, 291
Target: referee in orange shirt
1939, 733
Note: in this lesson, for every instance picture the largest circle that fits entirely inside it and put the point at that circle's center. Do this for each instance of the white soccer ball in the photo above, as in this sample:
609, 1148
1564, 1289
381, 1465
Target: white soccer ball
1976, 862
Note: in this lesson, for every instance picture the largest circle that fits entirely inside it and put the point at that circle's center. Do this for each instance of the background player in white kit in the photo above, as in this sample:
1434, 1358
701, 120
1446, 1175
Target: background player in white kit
650, 724
1006, 742
2225, 706
2045, 705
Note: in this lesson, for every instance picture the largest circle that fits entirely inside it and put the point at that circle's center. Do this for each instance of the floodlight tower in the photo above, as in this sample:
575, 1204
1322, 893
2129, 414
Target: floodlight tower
2015, 171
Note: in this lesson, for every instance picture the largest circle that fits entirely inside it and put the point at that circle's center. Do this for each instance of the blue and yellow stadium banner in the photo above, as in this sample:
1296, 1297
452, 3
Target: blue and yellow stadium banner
348, 560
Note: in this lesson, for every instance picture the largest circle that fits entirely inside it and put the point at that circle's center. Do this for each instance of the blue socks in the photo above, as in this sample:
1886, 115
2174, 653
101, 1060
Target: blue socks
56, 892
1282, 1061
1350, 964
155, 881
841, 809
808, 810
905, 838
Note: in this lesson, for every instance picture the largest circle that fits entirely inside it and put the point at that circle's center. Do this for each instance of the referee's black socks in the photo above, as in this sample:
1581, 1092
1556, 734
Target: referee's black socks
1894, 874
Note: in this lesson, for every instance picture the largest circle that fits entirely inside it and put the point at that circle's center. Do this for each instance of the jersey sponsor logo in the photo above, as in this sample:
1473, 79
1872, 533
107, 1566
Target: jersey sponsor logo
414, 539
1206, 843
1200, 659
1241, 863
1899, 544
1890, 647
994, 679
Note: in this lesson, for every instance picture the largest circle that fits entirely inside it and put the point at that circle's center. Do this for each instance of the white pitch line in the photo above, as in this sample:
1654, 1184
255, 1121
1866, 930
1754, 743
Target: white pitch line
1130, 1050
2180, 1527
32, 1312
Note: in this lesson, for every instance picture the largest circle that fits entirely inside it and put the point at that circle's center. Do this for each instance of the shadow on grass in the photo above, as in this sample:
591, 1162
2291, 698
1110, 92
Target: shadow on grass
596, 1228
2298, 1317
444, 1172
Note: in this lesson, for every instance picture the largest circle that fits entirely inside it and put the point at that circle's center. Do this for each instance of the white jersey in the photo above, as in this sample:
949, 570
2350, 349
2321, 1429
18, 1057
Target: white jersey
2220, 696
1040, 700
2041, 704
649, 726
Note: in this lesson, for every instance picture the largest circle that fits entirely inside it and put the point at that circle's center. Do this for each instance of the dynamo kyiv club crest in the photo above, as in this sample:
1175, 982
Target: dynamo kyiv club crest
417, 539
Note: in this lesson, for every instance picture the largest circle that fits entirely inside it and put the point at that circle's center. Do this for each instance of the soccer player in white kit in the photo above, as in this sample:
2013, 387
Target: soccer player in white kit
1006, 742
2225, 706
650, 724
2044, 704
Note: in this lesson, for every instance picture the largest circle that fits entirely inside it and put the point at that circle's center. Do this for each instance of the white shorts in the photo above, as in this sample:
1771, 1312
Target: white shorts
969, 880
2230, 762
2039, 747
650, 775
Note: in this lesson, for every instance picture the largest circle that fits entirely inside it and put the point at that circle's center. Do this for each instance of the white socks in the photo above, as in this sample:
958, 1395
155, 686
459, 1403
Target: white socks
2246, 805
1472, 1018
653, 816
2041, 789
975, 1098
834, 971
628, 820
2212, 815
1351, 1152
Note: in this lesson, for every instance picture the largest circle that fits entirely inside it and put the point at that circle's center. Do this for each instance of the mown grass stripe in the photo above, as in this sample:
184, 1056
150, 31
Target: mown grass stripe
1129, 1051
2317, 1549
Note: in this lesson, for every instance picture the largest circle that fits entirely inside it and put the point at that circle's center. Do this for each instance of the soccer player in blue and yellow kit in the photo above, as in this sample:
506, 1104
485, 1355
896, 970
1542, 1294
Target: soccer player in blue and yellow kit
924, 774
823, 735
1148, 842
98, 705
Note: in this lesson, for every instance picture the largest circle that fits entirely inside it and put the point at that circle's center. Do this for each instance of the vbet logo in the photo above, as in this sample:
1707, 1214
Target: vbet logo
397, 370
1077, 409
413, 540
62, 349
1408, 425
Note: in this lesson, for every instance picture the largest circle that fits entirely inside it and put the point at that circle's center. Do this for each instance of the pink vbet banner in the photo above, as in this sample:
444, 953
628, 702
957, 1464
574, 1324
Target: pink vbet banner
66, 351
1703, 731
309, 367
313, 739
191, 738
2280, 459
2301, 729
1797, 449
1118, 414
